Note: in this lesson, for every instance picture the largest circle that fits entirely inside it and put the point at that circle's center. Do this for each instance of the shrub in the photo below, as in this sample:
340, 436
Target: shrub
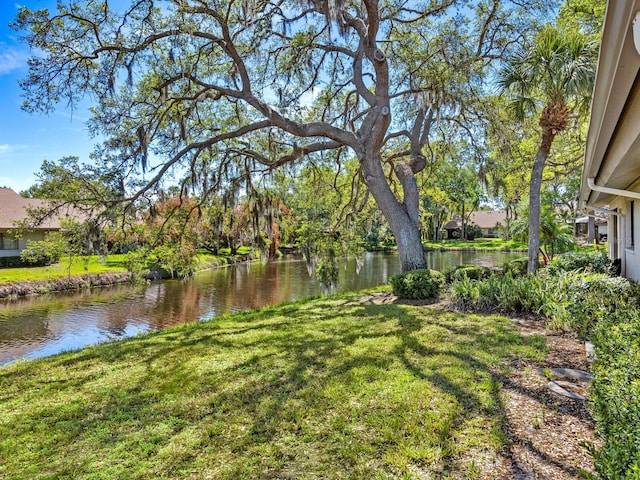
472, 232
43, 252
11, 262
577, 301
589, 262
504, 293
615, 394
472, 272
517, 267
418, 284
450, 271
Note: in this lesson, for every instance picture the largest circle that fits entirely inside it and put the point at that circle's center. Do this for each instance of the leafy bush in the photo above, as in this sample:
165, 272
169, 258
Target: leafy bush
11, 262
570, 301
472, 272
589, 262
472, 232
418, 284
450, 271
615, 394
517, 267
44, 252
136, 261
577, 301
503, 293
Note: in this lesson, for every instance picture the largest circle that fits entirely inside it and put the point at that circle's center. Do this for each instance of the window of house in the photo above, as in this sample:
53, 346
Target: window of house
7, 242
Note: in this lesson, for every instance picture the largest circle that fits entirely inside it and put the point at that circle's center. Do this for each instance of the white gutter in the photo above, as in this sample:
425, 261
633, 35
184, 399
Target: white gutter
585, 206
612, 191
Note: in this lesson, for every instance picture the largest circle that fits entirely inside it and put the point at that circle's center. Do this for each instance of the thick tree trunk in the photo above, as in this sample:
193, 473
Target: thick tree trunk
403, 219
534, 199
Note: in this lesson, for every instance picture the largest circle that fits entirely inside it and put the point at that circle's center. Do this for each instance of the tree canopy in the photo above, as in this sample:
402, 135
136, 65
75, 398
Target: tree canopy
214, 94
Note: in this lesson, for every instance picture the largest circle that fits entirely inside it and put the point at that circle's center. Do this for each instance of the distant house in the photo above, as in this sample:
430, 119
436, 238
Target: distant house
611, 172
13, 208
599, 227
488, 221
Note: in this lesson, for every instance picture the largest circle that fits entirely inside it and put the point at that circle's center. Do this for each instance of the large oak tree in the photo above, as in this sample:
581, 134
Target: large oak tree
209, 91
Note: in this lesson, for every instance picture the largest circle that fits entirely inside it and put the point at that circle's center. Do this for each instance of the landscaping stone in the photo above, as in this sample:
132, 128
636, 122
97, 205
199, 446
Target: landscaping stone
572, 374
567, 389
568, 382
591, 354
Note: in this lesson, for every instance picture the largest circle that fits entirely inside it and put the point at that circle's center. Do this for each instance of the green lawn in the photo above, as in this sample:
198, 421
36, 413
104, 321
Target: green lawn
328, 388
84, 265
488, 244
79, 266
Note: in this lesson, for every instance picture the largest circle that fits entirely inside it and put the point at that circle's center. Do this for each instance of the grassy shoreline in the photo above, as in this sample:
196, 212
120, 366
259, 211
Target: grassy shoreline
84, 272
325, 388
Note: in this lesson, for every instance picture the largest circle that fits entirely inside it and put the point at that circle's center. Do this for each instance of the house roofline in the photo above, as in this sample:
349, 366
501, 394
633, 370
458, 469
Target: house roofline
618, 64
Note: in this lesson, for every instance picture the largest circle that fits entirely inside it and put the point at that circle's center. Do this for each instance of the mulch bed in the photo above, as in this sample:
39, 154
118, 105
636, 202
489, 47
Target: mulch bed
547, 433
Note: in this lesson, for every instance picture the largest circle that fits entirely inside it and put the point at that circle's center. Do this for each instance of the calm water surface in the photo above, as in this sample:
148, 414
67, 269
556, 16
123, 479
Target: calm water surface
43, 325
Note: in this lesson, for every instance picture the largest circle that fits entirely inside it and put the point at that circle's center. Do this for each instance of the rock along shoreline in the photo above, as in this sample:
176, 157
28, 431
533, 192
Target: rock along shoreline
72, 282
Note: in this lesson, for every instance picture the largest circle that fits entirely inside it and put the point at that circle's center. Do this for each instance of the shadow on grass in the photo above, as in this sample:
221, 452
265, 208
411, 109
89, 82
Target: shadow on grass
314, 389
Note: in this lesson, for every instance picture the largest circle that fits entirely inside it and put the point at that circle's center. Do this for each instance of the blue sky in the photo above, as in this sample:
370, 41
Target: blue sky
28, 139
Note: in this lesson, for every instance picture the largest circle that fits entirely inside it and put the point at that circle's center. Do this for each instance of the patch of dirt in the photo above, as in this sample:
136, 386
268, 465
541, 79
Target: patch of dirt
546, 432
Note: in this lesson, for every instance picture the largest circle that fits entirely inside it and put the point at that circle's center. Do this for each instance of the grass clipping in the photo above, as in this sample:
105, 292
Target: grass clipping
329, 388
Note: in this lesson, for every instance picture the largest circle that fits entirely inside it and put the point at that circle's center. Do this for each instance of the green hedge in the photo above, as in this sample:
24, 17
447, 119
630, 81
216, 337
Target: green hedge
418, 284
615, 394
517, 267
11, 262
459, 272
589, 262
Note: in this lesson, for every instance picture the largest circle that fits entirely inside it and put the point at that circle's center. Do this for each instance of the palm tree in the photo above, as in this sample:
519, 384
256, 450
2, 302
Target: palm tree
554, 77
556, 235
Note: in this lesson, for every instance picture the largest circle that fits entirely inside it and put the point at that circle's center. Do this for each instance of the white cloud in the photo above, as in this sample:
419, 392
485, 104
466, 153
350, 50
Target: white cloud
15, 184
11, 58
6, 149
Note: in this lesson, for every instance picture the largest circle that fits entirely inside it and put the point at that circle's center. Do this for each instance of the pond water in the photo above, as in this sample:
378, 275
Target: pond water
43, 325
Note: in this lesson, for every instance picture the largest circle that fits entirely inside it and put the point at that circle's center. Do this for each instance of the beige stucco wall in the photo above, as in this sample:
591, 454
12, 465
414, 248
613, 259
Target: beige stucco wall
22, 243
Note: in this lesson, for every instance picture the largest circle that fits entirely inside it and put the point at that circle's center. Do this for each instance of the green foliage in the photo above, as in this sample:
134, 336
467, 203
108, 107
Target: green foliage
11, 262
556, 236
558, 66
418, 284
517, 267
44, 252
569, 300
472, 232
178, 260
615, 394
136, 261
503, 293
578, 301
472, 272
597, 262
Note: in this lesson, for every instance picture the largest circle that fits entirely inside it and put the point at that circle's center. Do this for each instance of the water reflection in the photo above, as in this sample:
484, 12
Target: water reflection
47, 324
